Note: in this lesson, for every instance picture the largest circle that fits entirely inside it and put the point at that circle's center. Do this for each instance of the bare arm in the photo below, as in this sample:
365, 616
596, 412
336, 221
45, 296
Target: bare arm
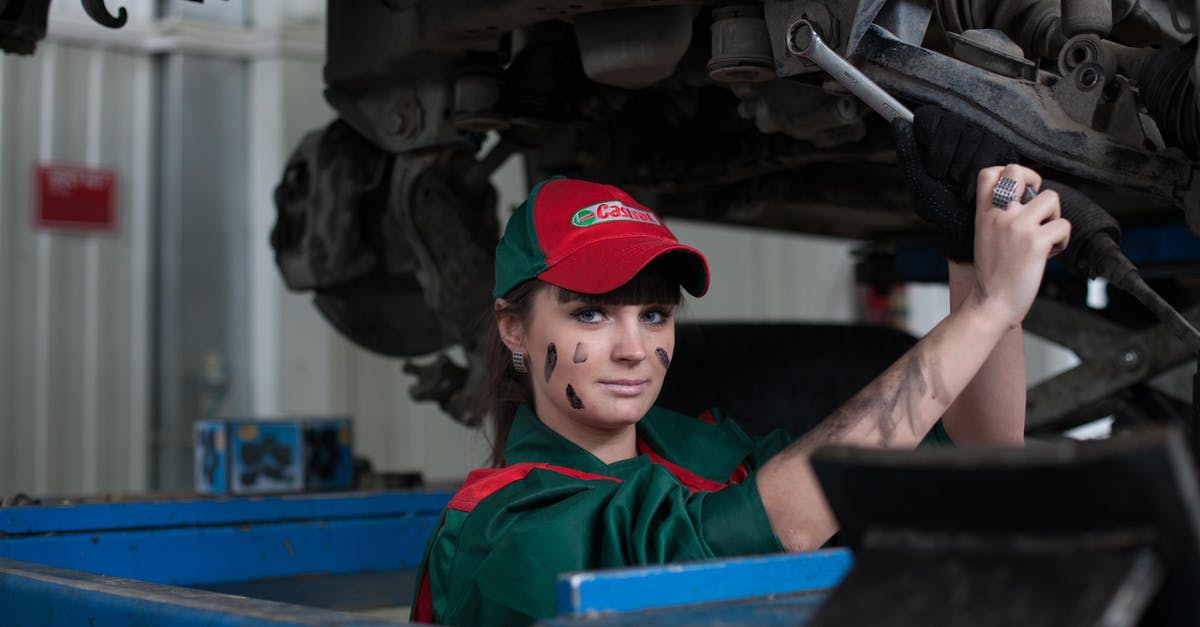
991, 410
903, 403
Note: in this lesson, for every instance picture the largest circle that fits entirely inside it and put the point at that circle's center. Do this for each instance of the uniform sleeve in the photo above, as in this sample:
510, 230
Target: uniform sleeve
762, 448
514, 545
936, 437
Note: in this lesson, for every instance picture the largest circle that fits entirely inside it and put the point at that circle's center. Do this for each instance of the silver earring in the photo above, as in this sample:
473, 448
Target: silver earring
519, 362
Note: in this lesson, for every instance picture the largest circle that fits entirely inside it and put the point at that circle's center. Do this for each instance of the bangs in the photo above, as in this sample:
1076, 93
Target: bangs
656, 284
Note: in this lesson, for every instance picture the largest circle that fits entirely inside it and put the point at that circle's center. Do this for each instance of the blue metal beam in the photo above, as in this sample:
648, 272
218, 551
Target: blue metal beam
216, 542
215, 511
650, 587
208, 555
34, 594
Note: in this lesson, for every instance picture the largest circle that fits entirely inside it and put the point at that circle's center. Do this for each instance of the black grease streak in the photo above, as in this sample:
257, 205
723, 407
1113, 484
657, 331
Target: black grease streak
663, 357
905, 398
580, 354
573, 398
551, 360
893, 398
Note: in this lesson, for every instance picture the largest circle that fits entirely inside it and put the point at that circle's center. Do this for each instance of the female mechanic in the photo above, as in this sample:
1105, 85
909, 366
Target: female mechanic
590, 474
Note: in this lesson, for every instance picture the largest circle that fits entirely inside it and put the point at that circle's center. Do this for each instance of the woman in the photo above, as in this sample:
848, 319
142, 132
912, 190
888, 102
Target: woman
589, 474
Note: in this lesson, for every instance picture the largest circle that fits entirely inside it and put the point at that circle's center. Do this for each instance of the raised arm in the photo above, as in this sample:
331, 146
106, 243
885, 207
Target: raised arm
991, 410
900, 406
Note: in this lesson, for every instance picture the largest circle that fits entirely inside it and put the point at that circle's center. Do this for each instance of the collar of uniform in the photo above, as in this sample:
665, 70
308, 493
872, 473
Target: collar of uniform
530, 440
711, 451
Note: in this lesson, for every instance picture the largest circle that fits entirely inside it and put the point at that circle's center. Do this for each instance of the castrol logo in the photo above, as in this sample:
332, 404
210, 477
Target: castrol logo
612, 211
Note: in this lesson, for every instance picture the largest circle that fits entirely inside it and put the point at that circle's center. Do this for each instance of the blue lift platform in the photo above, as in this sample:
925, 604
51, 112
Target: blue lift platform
1056, 535
315, 559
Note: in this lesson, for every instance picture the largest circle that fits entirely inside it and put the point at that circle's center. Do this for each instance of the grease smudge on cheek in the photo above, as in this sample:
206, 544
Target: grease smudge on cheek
573, 398
551, 360
581, 354
663, 358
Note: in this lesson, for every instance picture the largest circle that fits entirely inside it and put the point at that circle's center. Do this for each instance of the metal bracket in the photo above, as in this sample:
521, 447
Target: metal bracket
1112, 359
1023, 113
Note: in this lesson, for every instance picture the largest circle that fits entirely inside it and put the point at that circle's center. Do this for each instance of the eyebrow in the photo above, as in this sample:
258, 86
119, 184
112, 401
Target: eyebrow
566, 296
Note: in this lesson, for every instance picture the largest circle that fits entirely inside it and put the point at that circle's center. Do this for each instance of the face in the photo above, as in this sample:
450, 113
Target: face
595, 367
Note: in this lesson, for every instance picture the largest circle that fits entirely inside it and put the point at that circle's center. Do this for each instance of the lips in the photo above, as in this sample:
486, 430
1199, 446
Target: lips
625, 387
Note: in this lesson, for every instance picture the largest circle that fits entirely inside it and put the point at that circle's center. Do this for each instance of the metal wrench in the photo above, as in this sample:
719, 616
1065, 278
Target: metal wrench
803, 41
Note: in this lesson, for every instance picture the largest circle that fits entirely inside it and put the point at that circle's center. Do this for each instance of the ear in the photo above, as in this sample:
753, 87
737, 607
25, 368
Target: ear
511, 327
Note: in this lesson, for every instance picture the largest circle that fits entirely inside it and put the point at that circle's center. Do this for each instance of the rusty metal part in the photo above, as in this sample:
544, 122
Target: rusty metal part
330, 236
633, 48
1022, 113
386, 315
1033, 24
1086, 17
907, 20
1111, 361
1152, 23
741, 47
401, 117
452, 230
993, 51
477, 93
452, 235
322, 207
801, 111
437, 381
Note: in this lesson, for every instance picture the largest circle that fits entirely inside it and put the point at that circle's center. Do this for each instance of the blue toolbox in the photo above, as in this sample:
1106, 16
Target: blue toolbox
250, 456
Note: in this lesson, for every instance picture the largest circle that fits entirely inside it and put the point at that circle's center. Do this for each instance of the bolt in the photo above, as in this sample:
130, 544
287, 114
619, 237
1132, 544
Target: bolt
1089, 76
1128, 359
398, 123
800, 37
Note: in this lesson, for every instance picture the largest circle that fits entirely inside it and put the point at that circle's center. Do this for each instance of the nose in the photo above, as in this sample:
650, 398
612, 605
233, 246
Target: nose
629, 345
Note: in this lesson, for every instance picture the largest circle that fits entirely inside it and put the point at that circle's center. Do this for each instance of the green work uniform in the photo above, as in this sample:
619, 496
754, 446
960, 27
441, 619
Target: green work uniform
504, 538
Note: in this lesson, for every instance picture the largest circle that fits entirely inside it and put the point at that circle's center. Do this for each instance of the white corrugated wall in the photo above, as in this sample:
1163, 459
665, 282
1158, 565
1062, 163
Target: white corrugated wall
74, 324
77, 309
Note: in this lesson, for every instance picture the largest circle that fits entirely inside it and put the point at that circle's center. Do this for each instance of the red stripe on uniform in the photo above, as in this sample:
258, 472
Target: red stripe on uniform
739, 474
422, 611
485, 482
689, 479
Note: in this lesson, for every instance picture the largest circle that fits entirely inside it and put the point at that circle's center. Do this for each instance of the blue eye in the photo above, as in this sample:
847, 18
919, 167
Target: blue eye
588, 315
656, 316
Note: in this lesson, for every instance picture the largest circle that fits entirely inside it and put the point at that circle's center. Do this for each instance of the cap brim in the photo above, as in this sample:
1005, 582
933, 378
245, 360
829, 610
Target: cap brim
605, 265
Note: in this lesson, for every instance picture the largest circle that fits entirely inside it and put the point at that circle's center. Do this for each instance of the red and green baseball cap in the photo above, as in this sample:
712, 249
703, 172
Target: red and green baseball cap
588, 238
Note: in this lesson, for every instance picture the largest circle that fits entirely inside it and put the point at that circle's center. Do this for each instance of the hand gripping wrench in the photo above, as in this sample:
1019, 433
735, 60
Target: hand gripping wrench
803, 41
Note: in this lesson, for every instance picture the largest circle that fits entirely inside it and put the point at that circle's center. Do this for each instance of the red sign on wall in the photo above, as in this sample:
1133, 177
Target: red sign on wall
75, 197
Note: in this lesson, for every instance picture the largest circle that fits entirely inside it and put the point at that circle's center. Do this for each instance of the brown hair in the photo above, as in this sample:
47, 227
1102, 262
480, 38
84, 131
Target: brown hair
504, 390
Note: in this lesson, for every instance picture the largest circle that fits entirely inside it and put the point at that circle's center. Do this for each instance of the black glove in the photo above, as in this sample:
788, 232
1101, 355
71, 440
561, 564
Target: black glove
1090, 223
941, 154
